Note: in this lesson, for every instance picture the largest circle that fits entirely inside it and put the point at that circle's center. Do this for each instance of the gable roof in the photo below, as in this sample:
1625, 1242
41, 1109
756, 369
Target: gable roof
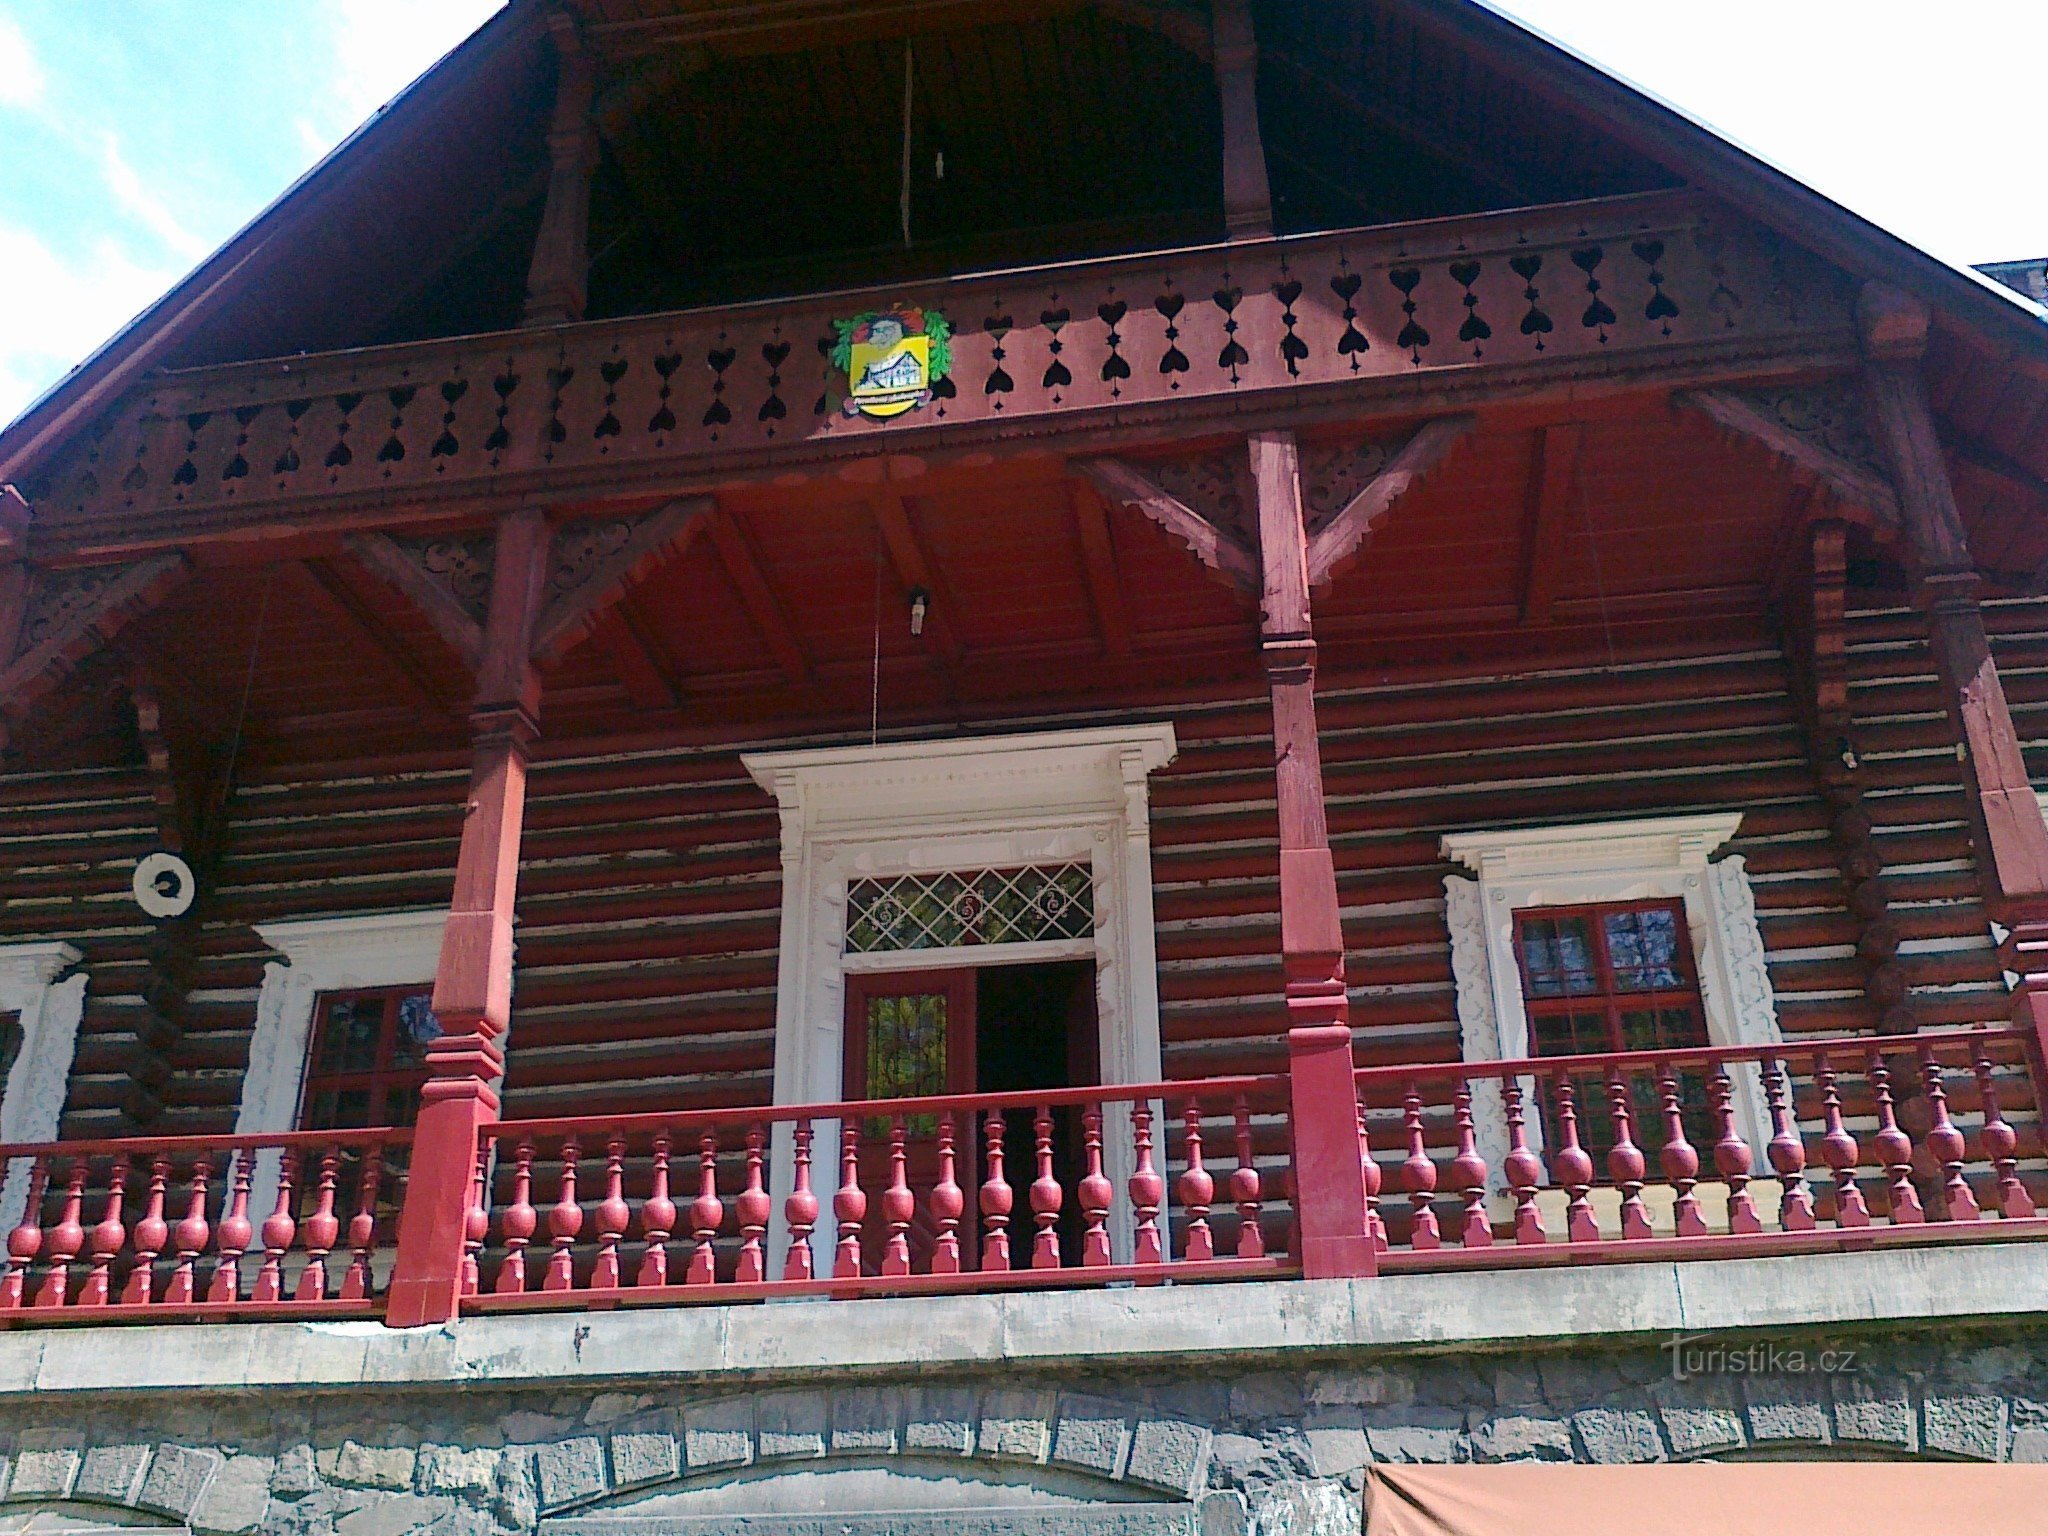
426, 156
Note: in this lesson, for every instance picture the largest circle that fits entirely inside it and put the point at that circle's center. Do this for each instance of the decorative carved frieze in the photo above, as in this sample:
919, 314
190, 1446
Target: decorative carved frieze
580, 550
1333, 475
59, 599
1828, 415
460, 564
1213, 485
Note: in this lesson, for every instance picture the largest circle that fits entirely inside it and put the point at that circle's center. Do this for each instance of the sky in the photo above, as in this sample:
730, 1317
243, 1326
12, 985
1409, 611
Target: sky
137, 135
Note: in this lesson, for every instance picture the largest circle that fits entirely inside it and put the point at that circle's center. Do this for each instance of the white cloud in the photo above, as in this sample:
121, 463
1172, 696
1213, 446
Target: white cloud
135, 199
381, 46
53, 312
21, 78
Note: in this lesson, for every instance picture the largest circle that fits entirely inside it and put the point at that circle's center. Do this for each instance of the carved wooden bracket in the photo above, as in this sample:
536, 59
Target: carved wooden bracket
58, 618
1350, 491
448, 578
593, 560
1199, 501
1819, 429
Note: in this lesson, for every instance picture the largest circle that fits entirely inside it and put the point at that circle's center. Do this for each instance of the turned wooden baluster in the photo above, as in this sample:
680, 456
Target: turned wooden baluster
707, 1214
1945, 1144
1894, 1149
1147, 1189
1375, 1224
565, 1223
1838, 1148
1245, 1191
849, 1205
189, 1237
996, 1199
1418, 1175
476, 1225
1523, 1167
1095, 1193
657, 1219
613, 1216
362, 1226
1625, 1162
1468, 1173
108, 1235
1046, 1197
279, 1232
948, 1203
800, 1210
26, 1240
519, 1222
1572, 1166
899, 1206
1679, 1161
1732, 1157
67, 1238
752, 1208
322, 1229
2001, 1144
235, 1234
1197, 1193
1787, 1151
151, 1233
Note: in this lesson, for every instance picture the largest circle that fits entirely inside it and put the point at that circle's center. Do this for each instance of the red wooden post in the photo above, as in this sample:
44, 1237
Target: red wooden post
996, 1199
473, 984
800, 1210
279, 1230
107, 1238
1245, 1192
1468, 1173
1329, 1173
1046, 1196
232, 1241
1418, 1175
565, 1224
1787, 1151
1197, 1191
1523, 1168
752, 1209
26, 1240
322, 1230
850, 1205
1625, 1164
1732, 1157
151, 1233
1573, 1165
1839, 1149
189, 1236
1147, 1189
2004, 815
2000, 1143
949, 1202
613, 1216
1679, 1160
899, 1206
521, 1221
658, 1219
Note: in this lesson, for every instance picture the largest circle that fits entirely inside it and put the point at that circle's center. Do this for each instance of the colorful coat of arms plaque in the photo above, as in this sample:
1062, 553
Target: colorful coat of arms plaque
891, 359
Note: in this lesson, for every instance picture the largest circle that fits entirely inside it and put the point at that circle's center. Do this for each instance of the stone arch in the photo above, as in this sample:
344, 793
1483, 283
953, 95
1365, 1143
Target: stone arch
79, 1517
61, 1473
1056, 1449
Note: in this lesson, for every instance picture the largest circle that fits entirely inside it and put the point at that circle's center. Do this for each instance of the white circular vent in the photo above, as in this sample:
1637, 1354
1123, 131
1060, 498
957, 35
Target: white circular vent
164, 886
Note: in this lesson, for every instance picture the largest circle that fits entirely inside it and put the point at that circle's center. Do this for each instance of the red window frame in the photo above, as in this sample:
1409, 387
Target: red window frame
392, 1087
1607, 997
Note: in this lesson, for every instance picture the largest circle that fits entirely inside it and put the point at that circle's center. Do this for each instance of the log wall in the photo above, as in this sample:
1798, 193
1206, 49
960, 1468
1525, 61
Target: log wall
650, 888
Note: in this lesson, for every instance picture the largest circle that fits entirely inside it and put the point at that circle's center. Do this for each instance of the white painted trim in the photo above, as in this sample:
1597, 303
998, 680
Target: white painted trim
1603, 861
1048, 797
323, 954
32, 1100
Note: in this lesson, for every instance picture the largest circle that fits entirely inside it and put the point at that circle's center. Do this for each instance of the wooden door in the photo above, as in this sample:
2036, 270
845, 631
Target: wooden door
910, 1034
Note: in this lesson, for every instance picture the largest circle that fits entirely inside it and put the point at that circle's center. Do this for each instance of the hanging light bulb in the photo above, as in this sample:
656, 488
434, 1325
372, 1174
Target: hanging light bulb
920, 601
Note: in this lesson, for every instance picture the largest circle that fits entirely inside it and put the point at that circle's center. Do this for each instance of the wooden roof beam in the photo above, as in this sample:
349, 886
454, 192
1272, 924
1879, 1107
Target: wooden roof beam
360, 617
55, 619
1098, 565
1216, 547
1553, 476
642, 671
588, 579
1339, 540
454, 622
1808, 452
914, 569
770, 618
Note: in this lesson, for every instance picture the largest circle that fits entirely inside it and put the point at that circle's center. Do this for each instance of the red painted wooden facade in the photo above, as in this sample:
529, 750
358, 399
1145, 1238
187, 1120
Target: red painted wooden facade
1435, 434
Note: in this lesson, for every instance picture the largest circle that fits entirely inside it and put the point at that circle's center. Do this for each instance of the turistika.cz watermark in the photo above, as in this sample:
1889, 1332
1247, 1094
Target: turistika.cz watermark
1701, 1354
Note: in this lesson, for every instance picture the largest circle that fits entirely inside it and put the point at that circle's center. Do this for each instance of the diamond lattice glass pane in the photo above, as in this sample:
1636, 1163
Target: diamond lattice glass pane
991, 906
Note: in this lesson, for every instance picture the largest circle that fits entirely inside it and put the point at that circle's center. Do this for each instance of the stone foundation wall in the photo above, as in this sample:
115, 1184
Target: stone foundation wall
1231, 1452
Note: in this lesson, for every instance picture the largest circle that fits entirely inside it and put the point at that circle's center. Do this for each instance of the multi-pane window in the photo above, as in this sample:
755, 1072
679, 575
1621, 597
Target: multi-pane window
368, 1058
1618, 976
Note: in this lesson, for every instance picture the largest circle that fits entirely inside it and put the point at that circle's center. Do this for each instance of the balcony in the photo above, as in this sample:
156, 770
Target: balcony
1670, 1155
664, 401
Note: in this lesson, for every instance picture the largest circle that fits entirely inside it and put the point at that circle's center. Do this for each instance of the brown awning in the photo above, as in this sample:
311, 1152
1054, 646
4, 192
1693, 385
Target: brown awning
1707, 1499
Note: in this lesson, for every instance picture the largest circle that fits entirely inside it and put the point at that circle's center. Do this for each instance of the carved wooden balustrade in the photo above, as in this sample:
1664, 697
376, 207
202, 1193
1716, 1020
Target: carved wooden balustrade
960, 1192
1848, 1143
658, 399
190, 1226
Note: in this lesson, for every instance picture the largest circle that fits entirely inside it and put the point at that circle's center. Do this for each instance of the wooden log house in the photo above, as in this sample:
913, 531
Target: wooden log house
825, 650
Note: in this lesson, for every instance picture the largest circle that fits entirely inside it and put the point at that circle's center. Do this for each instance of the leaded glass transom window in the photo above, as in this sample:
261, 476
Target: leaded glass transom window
993, 906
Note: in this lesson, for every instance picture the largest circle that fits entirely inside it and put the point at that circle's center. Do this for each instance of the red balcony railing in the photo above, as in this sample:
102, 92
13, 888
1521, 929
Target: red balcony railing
1705, 1153
1655, 1154
173, 1232
960, 1192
